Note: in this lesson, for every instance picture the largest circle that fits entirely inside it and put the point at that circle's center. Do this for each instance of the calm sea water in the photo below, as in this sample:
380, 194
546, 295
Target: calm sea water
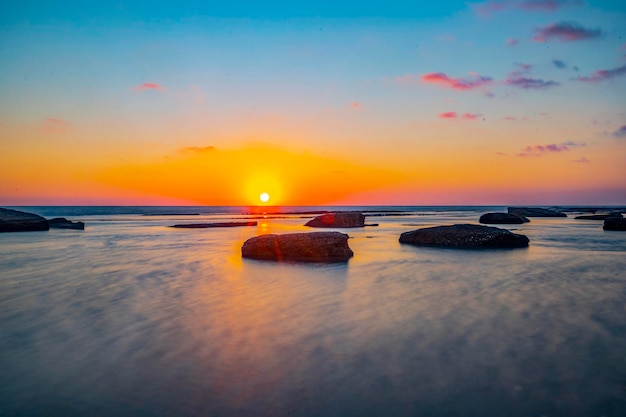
133, 318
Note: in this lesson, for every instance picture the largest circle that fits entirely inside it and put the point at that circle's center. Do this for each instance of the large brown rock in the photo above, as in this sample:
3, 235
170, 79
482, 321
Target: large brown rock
615, 223
464, 236
20, 221
535, 212
502, 218
304, 247
339, 219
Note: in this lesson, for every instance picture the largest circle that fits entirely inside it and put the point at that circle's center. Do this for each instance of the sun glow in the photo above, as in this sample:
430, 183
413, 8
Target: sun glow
264, 197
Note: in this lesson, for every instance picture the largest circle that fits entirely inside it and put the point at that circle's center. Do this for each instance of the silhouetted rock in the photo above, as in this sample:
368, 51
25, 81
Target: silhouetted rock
207, 225
20, 221
598, 216
305, 247
535, 212
464, 236
340, 219
63, 223
502, 218
615, 223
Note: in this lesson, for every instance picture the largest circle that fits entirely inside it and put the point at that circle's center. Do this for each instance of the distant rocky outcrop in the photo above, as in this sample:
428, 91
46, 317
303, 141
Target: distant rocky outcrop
302, 247
208, 225
20, 221
616, 214
535, 212
502, 218
615, 223
338, 219
464, 236
63, 223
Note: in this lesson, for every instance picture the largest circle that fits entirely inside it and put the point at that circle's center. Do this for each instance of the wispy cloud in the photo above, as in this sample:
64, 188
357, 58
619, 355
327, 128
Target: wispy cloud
565, 32
355, 105
559, 64
53, 125
510, 118
511, 42
199, 149
488, 7
538, 150
582, 160
455, 115
461, 84
530, 83
148, 86
602, 75
620, 133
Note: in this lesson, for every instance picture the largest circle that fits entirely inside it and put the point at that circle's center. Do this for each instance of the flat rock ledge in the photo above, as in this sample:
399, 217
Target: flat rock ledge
599, 216
502, 218
20, 221
300, 247
465, 236
208, 225
63, 223
615, 223
339, 219
535, 212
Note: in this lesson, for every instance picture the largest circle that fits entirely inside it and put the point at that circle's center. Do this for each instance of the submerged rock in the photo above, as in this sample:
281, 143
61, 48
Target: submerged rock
615, 223
340, 219
535, 212
502, 218
207, 225
465, 236
20, 221
304, 247
63, 223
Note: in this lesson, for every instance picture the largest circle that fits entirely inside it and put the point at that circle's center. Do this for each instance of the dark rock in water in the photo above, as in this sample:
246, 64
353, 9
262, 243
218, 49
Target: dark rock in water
598, 216
465, 236
535, 212
63, 223
304, 247
502, 218
207, 225
20, 221
340, 219
615, 223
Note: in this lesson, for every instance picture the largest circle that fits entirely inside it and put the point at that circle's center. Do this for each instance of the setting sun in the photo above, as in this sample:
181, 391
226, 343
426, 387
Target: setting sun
264, 197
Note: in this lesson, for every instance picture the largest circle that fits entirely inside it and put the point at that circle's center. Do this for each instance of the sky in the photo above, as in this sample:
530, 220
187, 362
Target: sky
496, 102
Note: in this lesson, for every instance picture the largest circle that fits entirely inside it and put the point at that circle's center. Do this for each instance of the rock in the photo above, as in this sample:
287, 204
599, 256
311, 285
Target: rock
207, 225
305, 247
615, 223
465, 236
63, 223
502, 218
20, 221
535, 212
340, 219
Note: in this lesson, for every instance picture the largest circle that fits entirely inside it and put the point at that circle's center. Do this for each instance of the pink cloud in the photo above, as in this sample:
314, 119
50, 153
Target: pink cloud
148, 86
511, 118
462, 84
512, 42
582, 160
602, 75
565, 32
199, 149
355, 105
454, 115
54, 126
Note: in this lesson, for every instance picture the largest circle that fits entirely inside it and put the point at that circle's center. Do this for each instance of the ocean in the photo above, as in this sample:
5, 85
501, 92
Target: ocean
131, 317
